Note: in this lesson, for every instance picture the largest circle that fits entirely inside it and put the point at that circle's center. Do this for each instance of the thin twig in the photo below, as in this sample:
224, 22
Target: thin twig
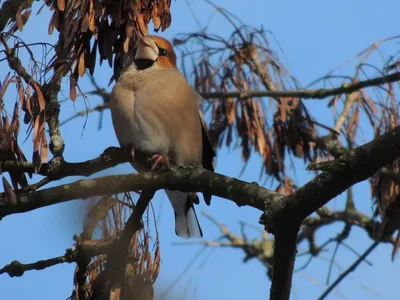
99, 108
349, 270
308, 94
17, 269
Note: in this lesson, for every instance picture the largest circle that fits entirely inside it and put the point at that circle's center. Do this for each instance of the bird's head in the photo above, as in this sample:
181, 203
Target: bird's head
154, 51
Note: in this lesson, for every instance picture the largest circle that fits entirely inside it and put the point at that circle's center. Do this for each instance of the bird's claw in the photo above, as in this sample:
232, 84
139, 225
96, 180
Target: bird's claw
159, 160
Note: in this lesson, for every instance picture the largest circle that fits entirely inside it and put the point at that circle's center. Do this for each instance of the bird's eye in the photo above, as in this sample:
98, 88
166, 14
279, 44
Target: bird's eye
162, 52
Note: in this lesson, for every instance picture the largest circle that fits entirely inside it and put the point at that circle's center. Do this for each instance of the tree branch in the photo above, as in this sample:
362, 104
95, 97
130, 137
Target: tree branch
9, 9
308, 94
187, 178
355, 165
354, 218
58, 168
52, 117
284, 256
17, 269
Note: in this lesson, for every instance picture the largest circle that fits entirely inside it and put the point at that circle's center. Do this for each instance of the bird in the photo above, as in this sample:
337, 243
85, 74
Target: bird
158, 115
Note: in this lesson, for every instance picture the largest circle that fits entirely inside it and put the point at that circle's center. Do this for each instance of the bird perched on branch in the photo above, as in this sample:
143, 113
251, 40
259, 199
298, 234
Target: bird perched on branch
156, 112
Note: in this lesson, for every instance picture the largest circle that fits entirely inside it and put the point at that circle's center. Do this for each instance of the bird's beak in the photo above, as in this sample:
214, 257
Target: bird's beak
146, 49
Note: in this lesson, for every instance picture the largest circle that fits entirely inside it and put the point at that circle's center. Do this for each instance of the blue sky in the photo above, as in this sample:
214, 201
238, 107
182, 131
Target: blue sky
316, 36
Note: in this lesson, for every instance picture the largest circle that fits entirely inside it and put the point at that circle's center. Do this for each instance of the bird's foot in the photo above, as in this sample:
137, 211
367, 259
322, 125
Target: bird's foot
159, 160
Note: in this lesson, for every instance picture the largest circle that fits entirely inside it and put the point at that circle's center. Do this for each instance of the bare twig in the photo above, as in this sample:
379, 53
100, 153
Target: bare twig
15, 64
99, 108
354, 218
17, 269
349, 270
260, 249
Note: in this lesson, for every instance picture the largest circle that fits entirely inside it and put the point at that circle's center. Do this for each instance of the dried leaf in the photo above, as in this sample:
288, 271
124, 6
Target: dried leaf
36, 132
18, 19
8, 130
52, 23
72, 88
85, 23
36, 161
142, 26
5, 84
40, 96
61, 5
92, 21
44, 149
126, 44
10, 194
21, 94
81, 65
156, 17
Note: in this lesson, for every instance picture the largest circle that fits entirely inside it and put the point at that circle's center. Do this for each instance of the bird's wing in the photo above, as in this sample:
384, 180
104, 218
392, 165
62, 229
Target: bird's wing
208, 153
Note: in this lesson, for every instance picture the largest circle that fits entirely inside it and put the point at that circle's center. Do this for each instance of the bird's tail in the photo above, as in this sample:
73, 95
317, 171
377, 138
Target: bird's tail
186, 223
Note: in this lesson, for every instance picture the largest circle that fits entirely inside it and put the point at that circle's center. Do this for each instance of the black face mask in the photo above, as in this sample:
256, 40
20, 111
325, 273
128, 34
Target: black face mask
143, 64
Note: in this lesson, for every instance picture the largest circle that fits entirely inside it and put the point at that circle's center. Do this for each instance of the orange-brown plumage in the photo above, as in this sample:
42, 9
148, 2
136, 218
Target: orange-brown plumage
165, 61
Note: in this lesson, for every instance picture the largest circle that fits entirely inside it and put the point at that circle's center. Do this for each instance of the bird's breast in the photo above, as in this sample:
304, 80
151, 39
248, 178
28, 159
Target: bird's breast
137, 121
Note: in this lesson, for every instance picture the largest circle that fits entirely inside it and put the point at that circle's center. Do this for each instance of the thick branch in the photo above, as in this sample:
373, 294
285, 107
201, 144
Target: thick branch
284, 256
177, 178
352, 167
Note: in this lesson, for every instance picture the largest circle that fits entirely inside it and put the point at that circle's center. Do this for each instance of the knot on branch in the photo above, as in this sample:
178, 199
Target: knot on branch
14, 269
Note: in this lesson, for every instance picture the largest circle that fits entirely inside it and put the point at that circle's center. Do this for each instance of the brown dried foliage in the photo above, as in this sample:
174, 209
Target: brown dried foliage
9, 130
241, 63
31, 101
106, 219
245, 61
385, 185
107, 27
